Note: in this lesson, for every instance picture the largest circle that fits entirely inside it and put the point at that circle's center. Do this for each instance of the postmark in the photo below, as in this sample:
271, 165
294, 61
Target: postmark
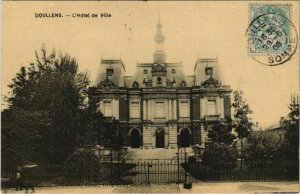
272, 37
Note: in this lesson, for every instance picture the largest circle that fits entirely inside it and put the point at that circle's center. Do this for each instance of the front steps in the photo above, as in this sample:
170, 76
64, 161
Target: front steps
140, 154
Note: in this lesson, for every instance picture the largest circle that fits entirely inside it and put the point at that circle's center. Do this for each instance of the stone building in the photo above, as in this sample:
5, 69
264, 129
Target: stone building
159, 105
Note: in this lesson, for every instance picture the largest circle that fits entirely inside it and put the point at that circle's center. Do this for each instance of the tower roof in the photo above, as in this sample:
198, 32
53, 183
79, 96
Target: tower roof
159, 54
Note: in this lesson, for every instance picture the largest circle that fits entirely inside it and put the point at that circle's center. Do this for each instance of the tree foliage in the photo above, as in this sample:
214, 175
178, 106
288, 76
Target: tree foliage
263, 146
48, 118
291, 128
23, 135
222, 132
220, 154
52, 86
242, 123
81, 161
103, 131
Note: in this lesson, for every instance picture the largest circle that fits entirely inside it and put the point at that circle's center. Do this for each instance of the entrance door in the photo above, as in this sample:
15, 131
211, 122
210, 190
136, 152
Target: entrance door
135, 138
184, 138
160, 138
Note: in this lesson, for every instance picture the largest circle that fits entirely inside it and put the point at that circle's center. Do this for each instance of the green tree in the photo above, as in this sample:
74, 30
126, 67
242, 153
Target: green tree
242, 123
291, 128
262, 146
222, 132
22, 135
220, 154
80, 164
106, 132
52, 85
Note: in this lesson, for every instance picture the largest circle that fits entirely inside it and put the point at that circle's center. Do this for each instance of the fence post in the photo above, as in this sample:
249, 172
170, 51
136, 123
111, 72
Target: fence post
111, 167
205, 173
118, 170
149, 165
185, 174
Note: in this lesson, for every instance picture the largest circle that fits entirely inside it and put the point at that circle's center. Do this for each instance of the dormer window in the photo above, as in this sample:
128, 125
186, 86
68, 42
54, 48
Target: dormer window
109, 72
183, 84
135, 84
209, 71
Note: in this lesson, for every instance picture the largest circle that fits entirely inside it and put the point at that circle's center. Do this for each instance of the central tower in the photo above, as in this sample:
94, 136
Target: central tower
159, 54
159, 70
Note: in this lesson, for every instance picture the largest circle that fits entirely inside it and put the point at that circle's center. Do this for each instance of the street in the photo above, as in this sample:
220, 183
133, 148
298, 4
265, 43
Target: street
228, 187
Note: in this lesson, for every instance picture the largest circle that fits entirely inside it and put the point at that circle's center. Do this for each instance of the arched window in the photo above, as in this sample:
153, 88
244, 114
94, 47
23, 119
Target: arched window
183, 84
184, 138
135, 138
160, 138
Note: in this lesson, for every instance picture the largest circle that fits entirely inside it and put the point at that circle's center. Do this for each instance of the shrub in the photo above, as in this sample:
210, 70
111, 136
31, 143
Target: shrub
220, 154
80, 162
191, 159
263, 146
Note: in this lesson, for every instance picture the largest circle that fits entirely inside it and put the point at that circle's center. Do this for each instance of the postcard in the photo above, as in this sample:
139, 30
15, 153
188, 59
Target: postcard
150, 96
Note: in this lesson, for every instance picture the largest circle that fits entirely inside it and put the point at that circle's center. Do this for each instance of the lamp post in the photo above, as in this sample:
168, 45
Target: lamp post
148, 173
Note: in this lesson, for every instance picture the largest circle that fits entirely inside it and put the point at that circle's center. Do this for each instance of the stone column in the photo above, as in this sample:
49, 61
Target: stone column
116, 109
147, 137
172, 136
166, 108
202, 107
113, 107
149, 109
221, 107
218, 111
166, 137
153, 132
144, 110
175, 109
101, 107
169, 109
152, 109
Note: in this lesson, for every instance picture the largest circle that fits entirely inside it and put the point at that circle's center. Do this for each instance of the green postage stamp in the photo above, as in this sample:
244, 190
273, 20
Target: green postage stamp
272, 37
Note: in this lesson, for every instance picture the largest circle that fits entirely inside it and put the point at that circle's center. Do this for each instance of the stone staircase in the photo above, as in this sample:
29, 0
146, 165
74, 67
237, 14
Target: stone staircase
140, 154
204, 136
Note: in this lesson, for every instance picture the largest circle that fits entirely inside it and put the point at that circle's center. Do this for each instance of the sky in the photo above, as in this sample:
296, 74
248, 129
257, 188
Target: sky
192, 30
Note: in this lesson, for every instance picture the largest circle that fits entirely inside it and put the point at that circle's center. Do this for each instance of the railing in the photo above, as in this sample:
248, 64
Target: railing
165, 171
250, 172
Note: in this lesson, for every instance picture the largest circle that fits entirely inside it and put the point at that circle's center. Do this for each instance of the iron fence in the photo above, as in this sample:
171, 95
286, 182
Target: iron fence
262, 171
147, 172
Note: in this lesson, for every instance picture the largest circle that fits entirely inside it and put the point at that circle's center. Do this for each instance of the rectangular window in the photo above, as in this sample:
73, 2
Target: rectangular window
107, 109
211, 107
160, 110
135, 110
184, 109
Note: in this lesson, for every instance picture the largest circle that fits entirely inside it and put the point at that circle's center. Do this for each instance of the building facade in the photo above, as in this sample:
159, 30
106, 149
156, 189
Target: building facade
159, 105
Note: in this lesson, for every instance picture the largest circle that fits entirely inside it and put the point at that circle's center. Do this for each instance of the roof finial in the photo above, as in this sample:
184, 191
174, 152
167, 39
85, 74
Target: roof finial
159, 55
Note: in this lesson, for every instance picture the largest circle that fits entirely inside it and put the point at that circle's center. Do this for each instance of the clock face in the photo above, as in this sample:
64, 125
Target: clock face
209, 70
